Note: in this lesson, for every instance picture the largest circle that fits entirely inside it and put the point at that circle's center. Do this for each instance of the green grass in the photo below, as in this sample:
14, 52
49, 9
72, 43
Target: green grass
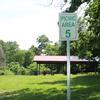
83, 87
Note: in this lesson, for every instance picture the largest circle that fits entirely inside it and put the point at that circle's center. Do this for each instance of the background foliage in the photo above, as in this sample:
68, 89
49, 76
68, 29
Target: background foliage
88, 45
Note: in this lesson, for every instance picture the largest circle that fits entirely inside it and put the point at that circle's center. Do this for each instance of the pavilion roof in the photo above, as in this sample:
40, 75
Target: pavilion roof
58, 59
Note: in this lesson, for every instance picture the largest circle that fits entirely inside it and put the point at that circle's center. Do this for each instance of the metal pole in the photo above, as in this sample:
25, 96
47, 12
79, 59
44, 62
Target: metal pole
68, 70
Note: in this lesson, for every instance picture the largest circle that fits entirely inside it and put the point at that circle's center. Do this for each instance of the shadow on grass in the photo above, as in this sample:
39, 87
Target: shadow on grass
82, 88
27, 94
86, 88
59, 82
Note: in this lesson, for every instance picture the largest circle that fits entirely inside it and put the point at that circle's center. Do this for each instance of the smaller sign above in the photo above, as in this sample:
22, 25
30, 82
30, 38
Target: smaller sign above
68, 26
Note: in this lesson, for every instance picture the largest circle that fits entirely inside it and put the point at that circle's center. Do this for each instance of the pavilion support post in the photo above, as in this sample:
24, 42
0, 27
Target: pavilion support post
39, 69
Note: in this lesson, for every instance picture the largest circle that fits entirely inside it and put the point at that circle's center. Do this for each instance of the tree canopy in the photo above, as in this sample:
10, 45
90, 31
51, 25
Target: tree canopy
87, 46
93, 13
42, 43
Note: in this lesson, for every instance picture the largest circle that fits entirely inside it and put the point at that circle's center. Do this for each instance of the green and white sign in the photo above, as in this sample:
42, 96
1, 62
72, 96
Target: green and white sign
68, 26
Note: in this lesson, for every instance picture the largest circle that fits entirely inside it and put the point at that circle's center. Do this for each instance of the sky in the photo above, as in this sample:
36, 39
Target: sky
24, 20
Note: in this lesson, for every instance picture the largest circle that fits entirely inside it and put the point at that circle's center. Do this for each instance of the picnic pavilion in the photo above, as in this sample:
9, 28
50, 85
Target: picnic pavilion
59, 60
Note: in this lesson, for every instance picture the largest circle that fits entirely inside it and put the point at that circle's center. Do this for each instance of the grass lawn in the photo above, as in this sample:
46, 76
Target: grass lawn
83, 87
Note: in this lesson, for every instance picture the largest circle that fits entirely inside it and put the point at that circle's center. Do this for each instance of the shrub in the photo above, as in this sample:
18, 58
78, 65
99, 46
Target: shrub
1, 72
17, 69
24, 71
8, 72
5, 71
32, 69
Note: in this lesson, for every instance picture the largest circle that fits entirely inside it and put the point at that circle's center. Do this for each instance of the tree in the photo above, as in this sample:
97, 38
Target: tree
89, 39
93, 19
3, 45
2, 53
33, 50
75, 4
51, 49
42, 43
89, 42
27, 58
11, 49
62, 48
2, 58
20, 57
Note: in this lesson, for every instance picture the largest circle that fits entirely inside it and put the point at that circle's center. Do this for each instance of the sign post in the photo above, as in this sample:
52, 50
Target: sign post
68, 70
68, 31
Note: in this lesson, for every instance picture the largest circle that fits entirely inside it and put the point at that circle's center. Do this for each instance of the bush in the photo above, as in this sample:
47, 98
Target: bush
1, 72
45, 70
32, 69
5, 71
8, 72
17, 69
14, 68
24, 71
